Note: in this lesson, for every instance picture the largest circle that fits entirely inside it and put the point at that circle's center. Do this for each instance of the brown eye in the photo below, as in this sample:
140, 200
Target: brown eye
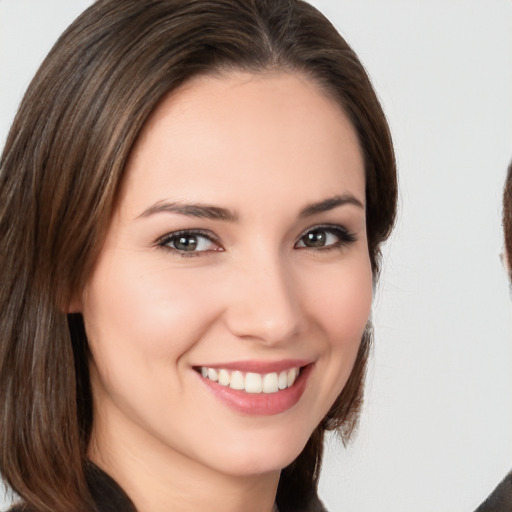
189, 242
315, 238
325, 237
186, 243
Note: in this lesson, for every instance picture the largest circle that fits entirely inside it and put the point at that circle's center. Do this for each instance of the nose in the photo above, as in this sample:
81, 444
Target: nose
264, 304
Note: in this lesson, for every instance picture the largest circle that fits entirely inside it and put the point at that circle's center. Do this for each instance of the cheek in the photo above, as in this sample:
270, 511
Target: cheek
152, 313
339, 300
342, 302
139, 325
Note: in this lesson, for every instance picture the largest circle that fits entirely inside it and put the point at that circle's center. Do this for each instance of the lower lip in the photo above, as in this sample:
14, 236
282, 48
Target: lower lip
261, 404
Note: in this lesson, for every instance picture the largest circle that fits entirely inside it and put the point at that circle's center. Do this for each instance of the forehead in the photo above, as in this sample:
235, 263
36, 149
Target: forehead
258, 133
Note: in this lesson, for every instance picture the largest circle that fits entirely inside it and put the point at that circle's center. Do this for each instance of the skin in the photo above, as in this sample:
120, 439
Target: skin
265, 147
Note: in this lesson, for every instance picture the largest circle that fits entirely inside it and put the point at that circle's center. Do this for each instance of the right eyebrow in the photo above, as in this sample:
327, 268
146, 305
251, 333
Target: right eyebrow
200, 210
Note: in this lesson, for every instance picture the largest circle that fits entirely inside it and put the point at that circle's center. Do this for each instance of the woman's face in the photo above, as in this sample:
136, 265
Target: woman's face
225, 311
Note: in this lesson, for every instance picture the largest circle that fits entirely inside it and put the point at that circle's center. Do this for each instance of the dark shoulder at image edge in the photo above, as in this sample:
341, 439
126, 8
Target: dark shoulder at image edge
500, 500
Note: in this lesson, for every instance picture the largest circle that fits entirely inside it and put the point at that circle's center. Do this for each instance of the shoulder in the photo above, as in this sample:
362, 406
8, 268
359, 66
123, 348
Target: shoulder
501, 498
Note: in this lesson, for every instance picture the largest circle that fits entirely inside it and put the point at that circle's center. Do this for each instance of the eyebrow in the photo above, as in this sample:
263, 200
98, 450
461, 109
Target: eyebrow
199, 210
205, 211
330, 204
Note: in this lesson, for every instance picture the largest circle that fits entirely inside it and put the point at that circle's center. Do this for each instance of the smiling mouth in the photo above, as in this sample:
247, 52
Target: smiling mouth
251, 382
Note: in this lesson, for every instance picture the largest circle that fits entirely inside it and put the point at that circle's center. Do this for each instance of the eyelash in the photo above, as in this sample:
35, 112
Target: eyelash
345, 238
170, 238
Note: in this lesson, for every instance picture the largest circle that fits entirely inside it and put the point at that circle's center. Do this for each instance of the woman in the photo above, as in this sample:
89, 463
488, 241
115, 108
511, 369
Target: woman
193, 198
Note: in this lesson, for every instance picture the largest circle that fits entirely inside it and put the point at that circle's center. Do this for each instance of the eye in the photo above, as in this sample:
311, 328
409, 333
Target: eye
187, 243
325, 237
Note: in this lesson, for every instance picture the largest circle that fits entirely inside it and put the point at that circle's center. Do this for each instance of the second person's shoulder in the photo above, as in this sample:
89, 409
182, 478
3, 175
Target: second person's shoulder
500, 499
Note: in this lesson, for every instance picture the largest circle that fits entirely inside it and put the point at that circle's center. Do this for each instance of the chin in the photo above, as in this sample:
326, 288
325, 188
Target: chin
263, 454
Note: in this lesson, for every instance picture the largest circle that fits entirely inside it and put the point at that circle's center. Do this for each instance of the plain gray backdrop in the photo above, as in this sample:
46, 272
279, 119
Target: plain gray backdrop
436, 432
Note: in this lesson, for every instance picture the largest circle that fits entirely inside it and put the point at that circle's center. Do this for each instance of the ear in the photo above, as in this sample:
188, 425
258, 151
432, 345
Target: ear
505, 261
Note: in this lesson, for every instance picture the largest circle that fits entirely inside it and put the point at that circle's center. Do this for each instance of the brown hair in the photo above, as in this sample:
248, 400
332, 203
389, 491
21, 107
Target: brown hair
59, 175
507, 216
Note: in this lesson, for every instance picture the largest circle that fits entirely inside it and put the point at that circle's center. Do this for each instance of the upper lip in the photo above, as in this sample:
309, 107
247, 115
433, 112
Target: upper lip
259, 366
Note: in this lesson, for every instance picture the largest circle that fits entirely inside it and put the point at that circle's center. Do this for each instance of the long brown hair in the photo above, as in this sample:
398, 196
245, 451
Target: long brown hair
59, 174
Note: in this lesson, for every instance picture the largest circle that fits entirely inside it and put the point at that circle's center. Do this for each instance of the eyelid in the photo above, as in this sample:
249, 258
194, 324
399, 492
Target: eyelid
163, 241
345, 236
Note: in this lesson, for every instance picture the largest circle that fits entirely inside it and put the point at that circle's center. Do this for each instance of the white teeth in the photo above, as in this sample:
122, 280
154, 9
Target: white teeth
252, 382
223, 377
237, 380
270, 384
292, 375
283, 380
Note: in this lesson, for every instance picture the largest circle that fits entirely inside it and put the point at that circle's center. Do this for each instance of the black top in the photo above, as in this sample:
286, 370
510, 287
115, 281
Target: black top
501, 498
109, 497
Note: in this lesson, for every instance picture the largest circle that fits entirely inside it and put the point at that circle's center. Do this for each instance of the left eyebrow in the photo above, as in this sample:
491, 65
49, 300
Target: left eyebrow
330, 204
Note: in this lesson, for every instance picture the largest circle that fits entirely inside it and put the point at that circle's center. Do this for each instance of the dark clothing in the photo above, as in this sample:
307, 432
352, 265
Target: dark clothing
311, 503
105, 492
109, 497
315, 505
501, 498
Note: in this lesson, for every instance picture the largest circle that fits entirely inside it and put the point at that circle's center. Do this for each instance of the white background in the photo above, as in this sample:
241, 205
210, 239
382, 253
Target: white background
436, 434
